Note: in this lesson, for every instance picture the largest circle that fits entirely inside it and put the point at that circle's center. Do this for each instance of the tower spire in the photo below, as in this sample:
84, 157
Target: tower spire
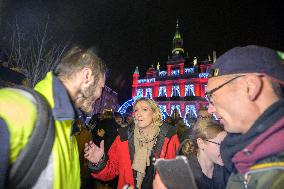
177, 41
177, 34
136, 70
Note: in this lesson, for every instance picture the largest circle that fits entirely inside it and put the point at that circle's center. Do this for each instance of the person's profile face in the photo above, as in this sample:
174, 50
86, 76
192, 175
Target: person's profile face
89, 94
228, 103
212, 148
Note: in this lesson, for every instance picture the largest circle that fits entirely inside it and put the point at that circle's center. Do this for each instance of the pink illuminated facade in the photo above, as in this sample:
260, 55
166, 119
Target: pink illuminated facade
180, 86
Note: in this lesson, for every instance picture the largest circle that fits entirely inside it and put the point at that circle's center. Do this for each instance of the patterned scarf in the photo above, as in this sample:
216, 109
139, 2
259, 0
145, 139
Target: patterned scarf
143, 145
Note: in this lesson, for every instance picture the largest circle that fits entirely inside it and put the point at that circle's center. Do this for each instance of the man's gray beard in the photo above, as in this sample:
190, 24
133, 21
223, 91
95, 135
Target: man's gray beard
84, 104
86, 99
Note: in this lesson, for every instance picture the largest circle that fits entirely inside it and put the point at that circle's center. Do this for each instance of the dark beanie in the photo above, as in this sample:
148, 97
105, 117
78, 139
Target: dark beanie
175, 173
250, 59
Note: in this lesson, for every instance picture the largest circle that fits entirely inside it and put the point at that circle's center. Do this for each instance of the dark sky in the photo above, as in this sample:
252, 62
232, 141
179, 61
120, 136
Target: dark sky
130, 33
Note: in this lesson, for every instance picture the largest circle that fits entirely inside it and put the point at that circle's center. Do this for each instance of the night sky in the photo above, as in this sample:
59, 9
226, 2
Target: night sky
130, 33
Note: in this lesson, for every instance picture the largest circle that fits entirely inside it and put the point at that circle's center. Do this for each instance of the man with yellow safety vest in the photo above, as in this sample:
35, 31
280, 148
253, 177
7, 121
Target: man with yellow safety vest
38, 146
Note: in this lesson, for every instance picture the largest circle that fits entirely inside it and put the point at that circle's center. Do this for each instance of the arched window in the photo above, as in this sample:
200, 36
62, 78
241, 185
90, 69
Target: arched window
149, 93
173, 107
163, 109
189, 90
162, 91
139, 92
175, 90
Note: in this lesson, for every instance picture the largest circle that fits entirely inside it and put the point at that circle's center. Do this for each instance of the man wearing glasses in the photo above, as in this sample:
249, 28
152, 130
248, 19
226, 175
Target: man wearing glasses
246, 93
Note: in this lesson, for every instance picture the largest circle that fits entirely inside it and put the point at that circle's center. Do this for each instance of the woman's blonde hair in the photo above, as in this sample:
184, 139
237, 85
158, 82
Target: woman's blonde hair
205, 130
157, 115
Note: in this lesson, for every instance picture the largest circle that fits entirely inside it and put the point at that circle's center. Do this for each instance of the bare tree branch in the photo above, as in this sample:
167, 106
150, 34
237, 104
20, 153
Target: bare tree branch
35, 53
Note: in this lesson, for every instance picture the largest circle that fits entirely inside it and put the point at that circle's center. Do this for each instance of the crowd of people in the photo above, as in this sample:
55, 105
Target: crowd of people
47, 142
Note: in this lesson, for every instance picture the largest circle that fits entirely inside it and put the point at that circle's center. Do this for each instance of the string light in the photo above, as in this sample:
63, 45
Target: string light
203, 75
151, 80
189, 70
162, 73
122, 109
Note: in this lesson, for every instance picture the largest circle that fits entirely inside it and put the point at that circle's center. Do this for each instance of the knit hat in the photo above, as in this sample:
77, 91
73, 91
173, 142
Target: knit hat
251, 59
175, 173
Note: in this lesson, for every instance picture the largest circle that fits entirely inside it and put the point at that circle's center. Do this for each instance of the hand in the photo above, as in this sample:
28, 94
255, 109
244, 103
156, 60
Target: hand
94, 153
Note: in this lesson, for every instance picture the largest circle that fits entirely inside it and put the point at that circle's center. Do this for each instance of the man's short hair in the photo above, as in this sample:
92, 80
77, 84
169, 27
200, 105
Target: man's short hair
78, 58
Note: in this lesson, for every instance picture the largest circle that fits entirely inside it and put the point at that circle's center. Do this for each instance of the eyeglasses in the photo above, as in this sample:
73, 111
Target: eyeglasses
213, 142
208, 95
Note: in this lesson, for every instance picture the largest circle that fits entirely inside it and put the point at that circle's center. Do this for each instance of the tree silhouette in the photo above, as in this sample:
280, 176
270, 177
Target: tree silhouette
34, 53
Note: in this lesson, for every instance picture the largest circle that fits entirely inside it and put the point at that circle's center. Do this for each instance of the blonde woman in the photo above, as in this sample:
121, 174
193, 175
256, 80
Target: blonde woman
203, 152
131, 154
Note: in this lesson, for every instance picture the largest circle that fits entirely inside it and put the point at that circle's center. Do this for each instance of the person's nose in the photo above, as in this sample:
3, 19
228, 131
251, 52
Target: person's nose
138, 114
211, 109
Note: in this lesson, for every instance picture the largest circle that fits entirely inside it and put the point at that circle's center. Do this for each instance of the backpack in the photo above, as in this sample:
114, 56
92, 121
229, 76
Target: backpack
33, 158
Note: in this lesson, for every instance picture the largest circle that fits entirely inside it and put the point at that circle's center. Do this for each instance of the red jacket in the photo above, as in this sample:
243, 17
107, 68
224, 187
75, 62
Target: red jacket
121, 153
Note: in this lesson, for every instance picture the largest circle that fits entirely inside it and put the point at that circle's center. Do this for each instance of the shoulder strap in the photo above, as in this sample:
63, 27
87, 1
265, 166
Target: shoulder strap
4, 152
33, 159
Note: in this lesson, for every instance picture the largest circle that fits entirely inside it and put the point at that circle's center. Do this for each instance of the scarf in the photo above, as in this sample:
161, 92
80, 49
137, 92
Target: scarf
143, 145
234, 143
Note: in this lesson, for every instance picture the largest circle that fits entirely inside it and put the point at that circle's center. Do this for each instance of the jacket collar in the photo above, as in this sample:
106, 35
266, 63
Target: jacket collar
166, 131
63, 107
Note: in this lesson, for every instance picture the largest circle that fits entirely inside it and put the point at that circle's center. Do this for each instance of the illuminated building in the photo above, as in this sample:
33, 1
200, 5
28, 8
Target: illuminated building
180, 87
108, 100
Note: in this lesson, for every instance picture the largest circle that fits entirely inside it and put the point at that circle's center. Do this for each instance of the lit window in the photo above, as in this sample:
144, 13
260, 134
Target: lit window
163, 109
149, 93
189, 90
139, 92
175, 90
174, 72
162, 91
173, 107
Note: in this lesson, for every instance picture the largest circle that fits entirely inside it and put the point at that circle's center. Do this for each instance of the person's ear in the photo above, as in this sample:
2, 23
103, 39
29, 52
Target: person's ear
200, 143
87, 75
254, 85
